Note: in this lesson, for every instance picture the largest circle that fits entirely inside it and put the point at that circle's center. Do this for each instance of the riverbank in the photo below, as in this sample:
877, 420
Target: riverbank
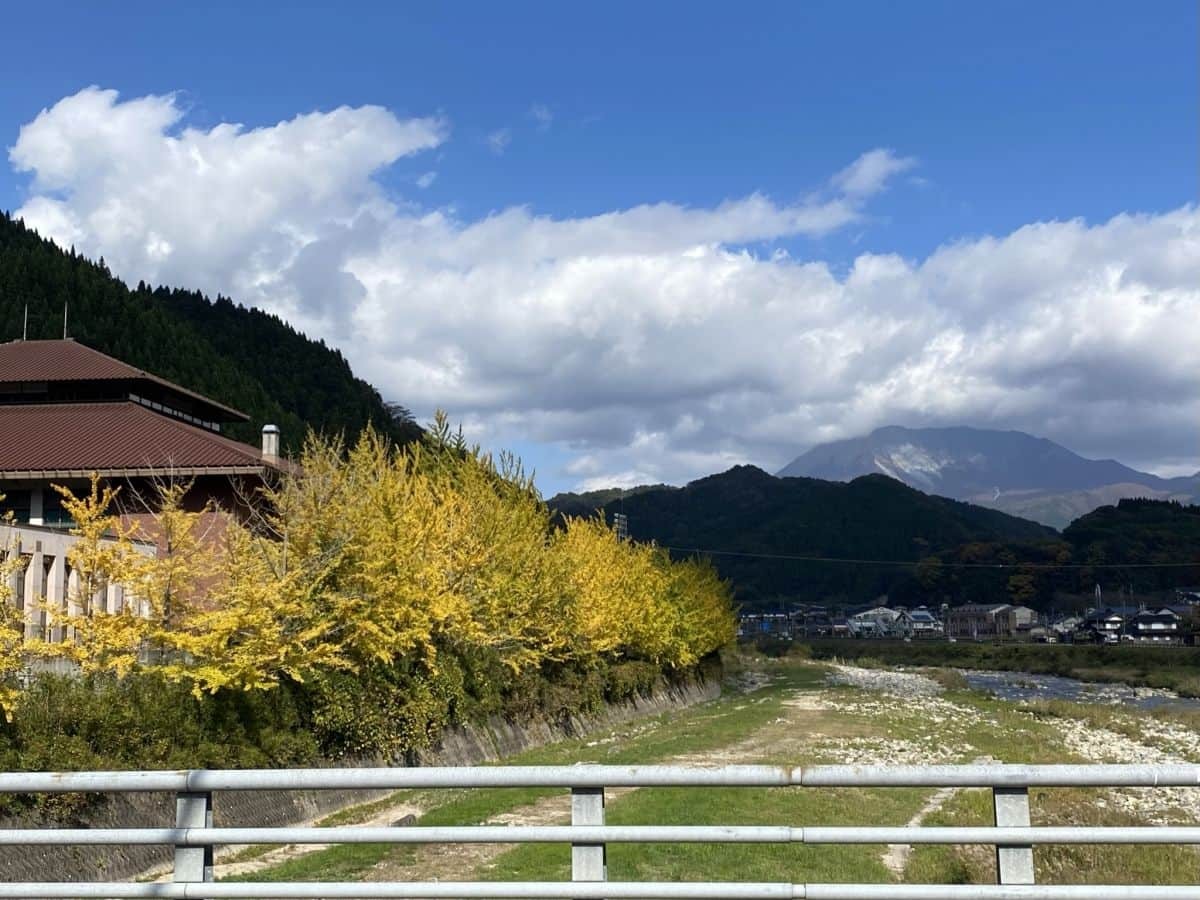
796, 711
471, 743
1171, 668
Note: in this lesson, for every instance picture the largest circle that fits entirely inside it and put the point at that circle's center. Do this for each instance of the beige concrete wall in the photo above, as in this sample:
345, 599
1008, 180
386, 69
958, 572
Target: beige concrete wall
47, 579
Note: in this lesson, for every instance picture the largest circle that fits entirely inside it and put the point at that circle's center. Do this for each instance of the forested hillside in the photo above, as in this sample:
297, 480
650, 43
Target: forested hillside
747, 511
242, 357
1141, 547
586, 503
913, 547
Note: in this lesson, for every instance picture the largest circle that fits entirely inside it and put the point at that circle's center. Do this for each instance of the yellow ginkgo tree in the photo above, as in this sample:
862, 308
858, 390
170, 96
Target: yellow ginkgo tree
12, 620
97, 638
363, 558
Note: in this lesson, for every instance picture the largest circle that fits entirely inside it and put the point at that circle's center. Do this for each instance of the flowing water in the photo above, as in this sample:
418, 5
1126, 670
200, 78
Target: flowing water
1026, 686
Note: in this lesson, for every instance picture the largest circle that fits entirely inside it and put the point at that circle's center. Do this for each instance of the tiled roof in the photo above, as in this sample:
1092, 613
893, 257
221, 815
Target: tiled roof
973, 608
59, 361
68, 360
108, 437
1161, 616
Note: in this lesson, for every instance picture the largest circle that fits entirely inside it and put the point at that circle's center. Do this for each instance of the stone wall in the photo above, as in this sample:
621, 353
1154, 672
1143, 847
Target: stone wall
462, 746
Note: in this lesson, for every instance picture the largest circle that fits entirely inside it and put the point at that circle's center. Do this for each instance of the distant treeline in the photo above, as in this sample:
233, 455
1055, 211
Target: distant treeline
1132, 548
897, 541
242, 357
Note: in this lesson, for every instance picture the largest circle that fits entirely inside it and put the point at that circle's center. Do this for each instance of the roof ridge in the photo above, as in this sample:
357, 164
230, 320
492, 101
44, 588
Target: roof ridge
108, 356
83, 362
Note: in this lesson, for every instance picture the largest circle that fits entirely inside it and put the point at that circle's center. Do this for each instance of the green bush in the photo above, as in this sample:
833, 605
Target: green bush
143, 721
632, 679
772, 646
384, 712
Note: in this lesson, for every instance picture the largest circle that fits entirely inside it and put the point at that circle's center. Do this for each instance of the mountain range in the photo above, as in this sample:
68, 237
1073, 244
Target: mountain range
783, 540
1011, 471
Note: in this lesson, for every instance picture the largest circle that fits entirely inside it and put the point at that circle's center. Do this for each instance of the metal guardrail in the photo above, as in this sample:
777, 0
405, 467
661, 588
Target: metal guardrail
194, 837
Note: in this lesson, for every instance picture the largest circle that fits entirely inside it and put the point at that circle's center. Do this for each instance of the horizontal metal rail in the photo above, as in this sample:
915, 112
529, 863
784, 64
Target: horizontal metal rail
194, 838
603, 834
1025, 776
976, 775
599, 890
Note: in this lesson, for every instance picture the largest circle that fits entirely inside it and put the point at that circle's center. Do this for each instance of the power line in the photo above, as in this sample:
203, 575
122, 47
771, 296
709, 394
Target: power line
946, 565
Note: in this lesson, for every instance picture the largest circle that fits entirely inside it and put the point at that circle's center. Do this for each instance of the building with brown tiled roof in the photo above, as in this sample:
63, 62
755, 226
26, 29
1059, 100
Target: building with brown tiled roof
68, 411
58, 371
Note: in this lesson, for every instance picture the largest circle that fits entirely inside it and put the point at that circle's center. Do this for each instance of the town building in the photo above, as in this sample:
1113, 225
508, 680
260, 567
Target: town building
1106, 625
876, 622
1064, 629
44, 580
976, 621
1111, 625
996, 621
818, 624
765, 625
1160, 626
918, 623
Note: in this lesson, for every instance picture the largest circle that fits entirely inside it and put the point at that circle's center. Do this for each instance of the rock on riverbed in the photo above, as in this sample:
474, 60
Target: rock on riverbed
889, 681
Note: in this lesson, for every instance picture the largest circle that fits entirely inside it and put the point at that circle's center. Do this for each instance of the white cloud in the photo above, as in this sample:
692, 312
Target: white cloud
499, 140
648, 342
541, 114
870, 173
225, 206
426, 180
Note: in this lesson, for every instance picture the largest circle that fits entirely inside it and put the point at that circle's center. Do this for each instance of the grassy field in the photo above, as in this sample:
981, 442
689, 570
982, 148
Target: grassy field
800, 718
1174, 668
692, 731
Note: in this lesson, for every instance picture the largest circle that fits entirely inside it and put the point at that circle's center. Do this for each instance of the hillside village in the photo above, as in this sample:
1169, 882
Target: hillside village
1160, 624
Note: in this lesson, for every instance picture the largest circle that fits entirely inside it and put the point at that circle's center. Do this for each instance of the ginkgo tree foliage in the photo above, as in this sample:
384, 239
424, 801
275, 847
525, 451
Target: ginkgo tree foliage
374, 555
12, 620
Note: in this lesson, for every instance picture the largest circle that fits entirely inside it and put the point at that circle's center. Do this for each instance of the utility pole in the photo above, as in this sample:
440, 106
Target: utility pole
621, 524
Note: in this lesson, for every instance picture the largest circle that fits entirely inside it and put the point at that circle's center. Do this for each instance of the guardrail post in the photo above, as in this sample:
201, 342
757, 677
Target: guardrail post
588, 861
193, 864
1014, 864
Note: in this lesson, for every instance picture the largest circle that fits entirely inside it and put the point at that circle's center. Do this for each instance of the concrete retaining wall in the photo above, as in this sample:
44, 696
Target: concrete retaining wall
462, 746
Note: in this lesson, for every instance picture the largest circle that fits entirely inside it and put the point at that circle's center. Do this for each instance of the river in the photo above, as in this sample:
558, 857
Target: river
1026, 686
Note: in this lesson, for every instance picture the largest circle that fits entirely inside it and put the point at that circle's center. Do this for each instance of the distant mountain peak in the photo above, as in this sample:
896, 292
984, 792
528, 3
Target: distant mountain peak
1010, 470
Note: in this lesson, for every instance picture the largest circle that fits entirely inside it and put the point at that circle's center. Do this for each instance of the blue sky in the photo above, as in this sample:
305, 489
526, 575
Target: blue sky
1006, 115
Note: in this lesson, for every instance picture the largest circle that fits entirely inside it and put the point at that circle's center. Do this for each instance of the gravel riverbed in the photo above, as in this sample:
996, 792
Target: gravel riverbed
942, 734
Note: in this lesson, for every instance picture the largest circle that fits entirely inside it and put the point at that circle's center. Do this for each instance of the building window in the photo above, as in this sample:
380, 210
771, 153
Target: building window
18, 504
54, 515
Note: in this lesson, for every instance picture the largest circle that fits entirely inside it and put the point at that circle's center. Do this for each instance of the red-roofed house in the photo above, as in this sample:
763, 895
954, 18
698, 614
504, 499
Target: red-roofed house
67, 411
